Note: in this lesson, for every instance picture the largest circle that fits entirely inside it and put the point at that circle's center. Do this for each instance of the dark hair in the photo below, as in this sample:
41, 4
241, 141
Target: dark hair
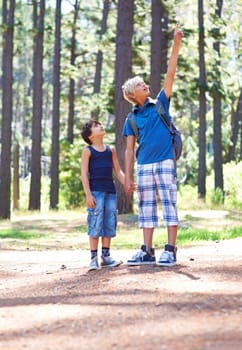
86, 130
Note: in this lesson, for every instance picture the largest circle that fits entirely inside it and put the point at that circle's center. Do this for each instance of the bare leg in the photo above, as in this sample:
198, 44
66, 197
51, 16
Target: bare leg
148, 236
106, 241
93, 241
172, 234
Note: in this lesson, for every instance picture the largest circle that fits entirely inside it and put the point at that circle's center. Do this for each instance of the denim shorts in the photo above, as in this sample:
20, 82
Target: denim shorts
152, 179
102, 220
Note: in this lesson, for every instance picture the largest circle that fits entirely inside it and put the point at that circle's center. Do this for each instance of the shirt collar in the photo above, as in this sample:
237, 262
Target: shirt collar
149, 101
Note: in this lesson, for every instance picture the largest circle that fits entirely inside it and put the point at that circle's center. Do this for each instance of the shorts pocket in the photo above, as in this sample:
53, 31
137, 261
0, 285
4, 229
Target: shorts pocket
92, 221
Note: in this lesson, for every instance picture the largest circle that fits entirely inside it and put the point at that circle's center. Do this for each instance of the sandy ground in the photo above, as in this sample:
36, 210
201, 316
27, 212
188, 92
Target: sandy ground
49, 300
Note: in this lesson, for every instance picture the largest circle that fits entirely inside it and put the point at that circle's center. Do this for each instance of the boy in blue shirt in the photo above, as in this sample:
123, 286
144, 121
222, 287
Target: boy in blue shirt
97, 165
156, 171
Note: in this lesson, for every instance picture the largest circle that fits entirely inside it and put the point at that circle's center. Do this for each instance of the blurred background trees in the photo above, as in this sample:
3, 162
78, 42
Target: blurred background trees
64, 62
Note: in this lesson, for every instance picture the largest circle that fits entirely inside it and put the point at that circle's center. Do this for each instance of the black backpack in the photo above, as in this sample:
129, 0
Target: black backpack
176, 135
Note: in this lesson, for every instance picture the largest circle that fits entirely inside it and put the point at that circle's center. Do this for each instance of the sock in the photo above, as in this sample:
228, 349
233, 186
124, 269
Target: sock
149, 250
105, 251
93, 253
170, 248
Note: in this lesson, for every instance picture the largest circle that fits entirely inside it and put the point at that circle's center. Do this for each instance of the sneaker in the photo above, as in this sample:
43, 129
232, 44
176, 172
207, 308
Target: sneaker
107, 261
93, 264
168, 257
143, 257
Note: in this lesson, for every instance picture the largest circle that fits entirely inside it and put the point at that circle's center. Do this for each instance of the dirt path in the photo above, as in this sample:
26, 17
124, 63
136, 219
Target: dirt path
49, 301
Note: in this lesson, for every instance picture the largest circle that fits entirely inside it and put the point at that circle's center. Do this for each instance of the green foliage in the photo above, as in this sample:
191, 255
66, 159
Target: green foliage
232, 186
231, 198
71, 190
184, 103
217, 197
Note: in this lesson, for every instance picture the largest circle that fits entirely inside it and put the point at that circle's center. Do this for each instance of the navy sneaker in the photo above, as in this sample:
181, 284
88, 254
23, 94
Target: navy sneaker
168, 257
143, 257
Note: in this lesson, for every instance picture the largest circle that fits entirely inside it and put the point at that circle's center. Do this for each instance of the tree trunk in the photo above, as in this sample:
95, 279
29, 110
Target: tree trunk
202, 106
71, 97
54, 185
236, 125
159, 45
123, 72
97, 79
217, 115
16, 177
35, 185
8, 8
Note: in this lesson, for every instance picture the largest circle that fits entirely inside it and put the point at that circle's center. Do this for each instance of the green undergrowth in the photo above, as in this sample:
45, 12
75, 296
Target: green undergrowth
128, 236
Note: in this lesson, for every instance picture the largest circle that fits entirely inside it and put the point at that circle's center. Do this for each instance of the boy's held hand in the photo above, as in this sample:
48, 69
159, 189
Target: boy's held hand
91, 202
130, 187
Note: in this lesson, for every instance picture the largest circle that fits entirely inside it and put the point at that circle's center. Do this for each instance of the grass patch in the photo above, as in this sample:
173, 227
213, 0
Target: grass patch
82, 228
22, 235
187, 236
190, 236
69, 231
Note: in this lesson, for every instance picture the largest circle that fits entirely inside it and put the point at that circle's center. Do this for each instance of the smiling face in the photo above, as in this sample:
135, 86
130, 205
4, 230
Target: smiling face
136, 91
141, 92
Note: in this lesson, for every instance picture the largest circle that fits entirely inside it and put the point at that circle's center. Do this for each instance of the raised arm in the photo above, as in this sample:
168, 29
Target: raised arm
171, 70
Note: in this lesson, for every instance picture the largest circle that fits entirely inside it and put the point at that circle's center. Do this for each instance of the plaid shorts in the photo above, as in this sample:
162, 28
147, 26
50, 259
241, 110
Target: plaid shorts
157, 180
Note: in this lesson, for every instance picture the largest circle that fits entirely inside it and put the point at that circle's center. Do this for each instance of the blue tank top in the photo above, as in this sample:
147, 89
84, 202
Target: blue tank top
101, 170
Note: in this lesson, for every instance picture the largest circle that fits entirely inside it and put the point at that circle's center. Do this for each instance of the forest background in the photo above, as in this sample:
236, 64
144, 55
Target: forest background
64, 62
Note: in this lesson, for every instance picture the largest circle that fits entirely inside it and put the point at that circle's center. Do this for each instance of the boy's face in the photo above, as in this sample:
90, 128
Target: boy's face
141, 91
97, 129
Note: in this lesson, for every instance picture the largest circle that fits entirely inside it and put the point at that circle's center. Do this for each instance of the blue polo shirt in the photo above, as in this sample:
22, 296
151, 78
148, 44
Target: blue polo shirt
155, 142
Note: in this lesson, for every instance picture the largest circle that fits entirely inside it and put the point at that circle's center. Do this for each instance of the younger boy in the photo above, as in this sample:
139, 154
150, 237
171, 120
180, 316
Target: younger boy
97, 165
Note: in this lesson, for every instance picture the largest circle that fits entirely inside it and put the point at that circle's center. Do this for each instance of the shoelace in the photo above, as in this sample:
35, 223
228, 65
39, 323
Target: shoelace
139, 254
167, 255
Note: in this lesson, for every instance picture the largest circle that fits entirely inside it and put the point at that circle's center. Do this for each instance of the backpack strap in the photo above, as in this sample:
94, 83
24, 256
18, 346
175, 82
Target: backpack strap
132, 123
162, 113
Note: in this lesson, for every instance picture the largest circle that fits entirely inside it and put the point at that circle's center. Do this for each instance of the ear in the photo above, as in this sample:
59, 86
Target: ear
132, 97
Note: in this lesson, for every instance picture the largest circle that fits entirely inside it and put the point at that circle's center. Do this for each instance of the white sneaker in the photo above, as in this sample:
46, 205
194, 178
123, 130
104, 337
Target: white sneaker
142, 257
168, 257
94, 264
107, 261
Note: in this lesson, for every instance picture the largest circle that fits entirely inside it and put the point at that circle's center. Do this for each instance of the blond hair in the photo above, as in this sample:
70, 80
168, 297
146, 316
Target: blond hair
129, 87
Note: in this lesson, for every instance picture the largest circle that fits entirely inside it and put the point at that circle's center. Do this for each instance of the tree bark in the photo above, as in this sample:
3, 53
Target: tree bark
236, 126
54, 171
123, 70
71, 96
99, 60
16, 177
202, 105
217, 114
35, 185
159, 45
8, 8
